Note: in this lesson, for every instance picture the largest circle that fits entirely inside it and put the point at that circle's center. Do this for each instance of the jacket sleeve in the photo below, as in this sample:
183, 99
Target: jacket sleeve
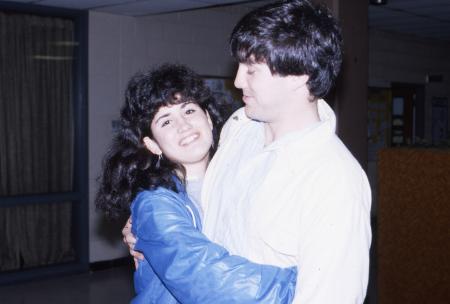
196, 270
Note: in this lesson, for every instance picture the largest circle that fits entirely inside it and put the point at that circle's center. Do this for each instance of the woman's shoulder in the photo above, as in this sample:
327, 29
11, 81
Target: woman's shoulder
157, 210
156, 195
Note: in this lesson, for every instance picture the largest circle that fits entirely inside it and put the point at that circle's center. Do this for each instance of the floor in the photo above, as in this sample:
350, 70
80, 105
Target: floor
110, 286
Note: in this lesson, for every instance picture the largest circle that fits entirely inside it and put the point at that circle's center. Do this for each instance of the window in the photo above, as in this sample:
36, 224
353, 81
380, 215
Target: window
43, 142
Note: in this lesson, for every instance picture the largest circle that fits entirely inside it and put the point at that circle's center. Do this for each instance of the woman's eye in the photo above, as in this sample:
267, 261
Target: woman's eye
190, 111
165, 123
250, 72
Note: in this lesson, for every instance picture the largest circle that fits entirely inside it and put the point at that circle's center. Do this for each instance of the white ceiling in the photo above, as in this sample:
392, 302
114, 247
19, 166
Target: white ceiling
423, 18
134, 7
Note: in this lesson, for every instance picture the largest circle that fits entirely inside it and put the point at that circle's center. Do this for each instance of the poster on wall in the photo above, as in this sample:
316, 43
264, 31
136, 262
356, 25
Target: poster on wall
226, 94
439, 125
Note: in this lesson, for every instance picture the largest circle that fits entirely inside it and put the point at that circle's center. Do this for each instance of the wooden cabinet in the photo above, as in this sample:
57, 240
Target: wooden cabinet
414, 226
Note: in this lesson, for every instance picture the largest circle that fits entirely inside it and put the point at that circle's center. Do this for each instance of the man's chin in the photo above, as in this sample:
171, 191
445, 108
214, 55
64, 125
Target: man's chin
250, 113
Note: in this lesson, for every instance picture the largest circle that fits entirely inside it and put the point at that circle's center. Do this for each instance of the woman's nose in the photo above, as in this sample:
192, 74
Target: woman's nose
184, 124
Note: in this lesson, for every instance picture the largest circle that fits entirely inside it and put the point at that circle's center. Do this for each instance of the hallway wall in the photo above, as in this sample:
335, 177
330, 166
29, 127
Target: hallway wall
120, 46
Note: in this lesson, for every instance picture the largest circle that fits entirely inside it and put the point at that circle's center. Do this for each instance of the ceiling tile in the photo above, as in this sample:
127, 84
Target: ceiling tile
140, 8
81, 4
417, 17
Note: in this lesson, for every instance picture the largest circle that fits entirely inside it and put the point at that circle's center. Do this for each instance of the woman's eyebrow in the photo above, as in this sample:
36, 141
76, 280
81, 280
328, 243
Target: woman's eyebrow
185, 104
161, 117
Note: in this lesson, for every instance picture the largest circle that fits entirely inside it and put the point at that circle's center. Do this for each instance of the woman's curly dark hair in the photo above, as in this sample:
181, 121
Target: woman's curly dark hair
128, 167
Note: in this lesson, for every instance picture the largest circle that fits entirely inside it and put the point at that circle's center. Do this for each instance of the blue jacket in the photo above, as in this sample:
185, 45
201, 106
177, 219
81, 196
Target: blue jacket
182, 266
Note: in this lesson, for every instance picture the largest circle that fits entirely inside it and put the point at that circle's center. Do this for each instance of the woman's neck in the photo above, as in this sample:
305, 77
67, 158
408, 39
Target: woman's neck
196, 170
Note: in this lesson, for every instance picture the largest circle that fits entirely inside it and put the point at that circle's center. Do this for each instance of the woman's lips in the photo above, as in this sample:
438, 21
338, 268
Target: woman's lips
189, 139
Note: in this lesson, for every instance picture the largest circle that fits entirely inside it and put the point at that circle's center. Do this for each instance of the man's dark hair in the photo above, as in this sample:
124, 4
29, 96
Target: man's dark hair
293, 38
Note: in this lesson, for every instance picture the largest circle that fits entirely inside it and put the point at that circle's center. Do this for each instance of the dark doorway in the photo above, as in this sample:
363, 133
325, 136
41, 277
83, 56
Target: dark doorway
408, 113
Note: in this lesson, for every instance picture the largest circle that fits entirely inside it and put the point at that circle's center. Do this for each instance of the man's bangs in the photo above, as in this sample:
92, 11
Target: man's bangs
250, 54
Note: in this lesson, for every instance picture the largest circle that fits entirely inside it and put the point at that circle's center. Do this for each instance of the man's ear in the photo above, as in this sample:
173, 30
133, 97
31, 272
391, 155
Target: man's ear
298, 81
152, 146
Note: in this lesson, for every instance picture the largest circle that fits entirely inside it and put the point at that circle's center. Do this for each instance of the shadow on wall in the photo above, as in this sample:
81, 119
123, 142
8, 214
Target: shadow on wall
110, 230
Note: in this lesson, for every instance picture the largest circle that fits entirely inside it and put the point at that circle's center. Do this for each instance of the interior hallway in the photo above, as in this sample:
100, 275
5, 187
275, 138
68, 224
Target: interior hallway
110, 286
114, 285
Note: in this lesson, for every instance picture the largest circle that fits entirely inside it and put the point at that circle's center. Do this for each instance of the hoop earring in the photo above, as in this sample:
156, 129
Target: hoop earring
158, 162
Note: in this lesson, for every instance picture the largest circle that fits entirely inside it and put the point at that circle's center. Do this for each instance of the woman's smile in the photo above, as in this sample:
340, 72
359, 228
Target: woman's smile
187, 140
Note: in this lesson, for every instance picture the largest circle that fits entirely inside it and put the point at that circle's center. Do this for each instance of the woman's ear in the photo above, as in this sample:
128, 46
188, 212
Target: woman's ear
152, 146
209, 120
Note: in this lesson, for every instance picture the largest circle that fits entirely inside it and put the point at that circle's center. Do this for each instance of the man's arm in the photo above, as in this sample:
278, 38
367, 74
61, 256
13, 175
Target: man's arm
130, 240
334, 241
197, 270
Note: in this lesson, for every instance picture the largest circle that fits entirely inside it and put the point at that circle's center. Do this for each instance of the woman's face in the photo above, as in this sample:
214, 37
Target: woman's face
183, 133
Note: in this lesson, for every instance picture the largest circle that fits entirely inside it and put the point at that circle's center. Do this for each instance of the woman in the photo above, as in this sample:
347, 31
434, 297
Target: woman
169, 128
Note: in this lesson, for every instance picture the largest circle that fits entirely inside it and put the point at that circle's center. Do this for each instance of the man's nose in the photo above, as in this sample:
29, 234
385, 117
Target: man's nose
239, 79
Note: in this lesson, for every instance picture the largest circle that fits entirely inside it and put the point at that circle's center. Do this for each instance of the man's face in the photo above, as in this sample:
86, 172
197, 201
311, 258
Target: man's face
265, 95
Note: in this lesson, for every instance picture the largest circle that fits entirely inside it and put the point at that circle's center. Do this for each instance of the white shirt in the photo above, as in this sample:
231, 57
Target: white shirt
302, 200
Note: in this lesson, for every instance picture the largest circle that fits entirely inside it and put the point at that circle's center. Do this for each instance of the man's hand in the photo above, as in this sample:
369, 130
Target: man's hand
130, 241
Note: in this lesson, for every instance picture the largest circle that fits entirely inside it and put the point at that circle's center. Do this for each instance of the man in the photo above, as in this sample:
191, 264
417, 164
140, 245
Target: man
282, 189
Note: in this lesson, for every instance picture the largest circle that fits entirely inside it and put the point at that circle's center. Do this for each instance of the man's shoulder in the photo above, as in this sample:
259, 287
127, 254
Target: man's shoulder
330, 156
238, 115
238, 118
238, 122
